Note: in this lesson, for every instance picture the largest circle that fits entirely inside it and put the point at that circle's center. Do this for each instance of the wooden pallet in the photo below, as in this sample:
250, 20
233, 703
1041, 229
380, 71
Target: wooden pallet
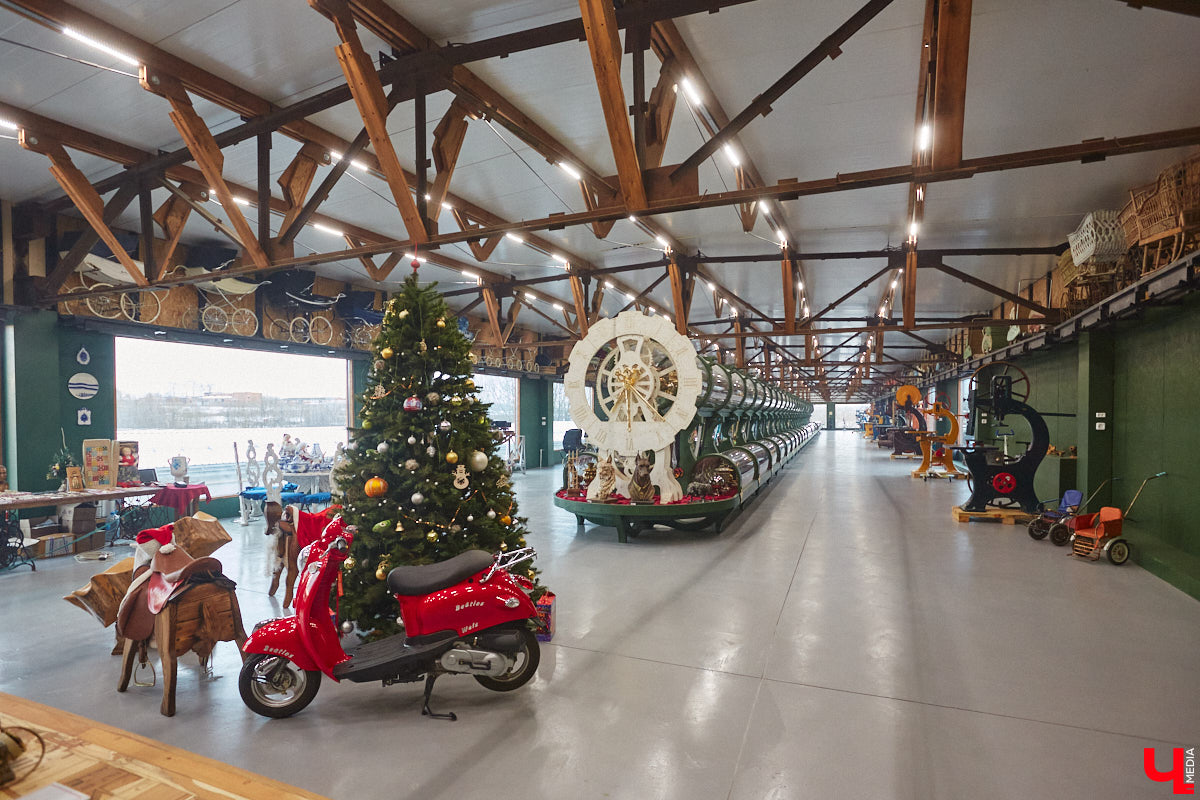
916, 473
1008, 516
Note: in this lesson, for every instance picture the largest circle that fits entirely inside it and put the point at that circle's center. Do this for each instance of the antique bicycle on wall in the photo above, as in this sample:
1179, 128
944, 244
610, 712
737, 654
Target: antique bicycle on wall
292, 293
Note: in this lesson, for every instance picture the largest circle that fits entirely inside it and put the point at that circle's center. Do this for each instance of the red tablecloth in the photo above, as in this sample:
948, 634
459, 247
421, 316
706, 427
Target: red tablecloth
179, 497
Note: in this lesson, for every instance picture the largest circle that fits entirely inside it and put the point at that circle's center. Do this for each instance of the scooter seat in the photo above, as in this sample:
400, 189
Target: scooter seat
431, 577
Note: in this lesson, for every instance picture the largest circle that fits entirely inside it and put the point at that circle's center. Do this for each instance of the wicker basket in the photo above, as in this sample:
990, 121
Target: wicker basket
1156, 209
1067, 269
1098, 237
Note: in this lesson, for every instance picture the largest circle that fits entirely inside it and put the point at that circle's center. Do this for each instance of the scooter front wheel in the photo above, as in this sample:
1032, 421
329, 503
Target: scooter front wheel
523, 669
275, 687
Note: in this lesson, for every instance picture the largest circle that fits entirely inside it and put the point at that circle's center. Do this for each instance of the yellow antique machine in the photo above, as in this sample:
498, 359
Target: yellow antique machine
935, 447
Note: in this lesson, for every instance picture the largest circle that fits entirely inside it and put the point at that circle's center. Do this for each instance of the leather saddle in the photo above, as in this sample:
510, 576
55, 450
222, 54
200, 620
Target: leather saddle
171, 572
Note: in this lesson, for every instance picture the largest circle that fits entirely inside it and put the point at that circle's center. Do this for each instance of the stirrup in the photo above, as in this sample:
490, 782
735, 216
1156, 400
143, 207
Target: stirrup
426, 711
142, 664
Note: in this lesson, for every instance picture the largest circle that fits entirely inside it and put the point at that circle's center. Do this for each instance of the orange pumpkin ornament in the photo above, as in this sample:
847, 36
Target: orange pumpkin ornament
376, 487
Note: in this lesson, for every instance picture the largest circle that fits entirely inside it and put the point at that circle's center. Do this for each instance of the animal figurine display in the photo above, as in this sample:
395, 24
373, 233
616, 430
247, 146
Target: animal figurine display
601, 489
669, 490
641, 489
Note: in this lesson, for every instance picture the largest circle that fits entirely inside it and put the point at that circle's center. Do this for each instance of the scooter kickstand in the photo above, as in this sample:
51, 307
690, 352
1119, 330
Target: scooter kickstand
426, 711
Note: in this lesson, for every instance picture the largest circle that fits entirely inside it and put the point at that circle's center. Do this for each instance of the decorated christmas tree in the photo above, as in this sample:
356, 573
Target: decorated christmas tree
421, 480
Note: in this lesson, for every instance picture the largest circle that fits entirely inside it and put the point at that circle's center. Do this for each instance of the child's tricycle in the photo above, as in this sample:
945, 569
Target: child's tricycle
1053, 521
1100, 533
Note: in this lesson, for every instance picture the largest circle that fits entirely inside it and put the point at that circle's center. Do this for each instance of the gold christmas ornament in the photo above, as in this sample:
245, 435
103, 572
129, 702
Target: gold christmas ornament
399, 527
380, 574
387, 353
441, 323
503, 546
470, 384
349, 563
421, 346
506, 520
432, 536
477, 461
452, 457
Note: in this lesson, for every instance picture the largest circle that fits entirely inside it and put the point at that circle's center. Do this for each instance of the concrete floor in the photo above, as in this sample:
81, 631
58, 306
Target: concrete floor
841, 638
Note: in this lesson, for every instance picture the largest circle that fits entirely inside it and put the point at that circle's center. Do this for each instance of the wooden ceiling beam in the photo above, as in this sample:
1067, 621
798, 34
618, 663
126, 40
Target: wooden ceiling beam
679, 299
1188, 7
830, 47
295, 222
206, 153
600, 25
1050, 314
448, 138
579, 295
89, 203
171, 216
950, 82
493, 313
87, 239
297, 179
373, 107
785, 190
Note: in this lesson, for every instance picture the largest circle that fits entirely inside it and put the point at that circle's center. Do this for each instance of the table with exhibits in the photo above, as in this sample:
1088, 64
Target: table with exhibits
102, 761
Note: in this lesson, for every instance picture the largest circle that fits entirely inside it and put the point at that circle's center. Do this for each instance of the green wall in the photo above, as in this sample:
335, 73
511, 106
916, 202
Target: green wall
1153, 426
40, 357
1141, 375
536, 397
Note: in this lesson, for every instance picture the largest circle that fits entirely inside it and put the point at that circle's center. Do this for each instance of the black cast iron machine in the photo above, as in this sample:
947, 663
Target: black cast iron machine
998, 478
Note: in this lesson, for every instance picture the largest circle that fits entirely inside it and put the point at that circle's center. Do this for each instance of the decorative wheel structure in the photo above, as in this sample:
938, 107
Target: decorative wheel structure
1020, 380
646, 383
364, 336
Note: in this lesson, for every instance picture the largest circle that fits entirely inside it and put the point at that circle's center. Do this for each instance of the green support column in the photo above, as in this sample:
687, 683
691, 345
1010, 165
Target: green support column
1095, 417
535, 399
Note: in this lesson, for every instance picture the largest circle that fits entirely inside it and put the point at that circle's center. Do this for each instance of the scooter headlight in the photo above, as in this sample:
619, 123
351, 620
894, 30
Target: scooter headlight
303, 556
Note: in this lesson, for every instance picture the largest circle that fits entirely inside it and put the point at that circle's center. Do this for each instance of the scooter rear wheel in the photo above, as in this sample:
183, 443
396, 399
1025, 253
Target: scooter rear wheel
523, 669
275, 687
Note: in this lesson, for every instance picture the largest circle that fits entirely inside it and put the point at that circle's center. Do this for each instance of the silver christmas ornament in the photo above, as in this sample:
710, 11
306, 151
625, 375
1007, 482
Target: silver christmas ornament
470, 517
477, 461
417, 498
347, 627
491, 514
412, 440
382, 447
431, 450
444, 426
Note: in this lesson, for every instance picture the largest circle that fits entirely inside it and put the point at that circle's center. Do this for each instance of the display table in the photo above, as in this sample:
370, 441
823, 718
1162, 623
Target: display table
12, 501
14, 547
103, 761
309, 482
631, 518
183, 499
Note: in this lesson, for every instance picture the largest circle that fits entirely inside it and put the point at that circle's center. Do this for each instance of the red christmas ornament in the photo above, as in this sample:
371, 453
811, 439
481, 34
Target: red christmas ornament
413, 404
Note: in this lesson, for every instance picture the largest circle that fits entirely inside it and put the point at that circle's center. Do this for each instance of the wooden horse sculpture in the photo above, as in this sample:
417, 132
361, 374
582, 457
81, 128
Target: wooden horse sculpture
185, 603
293, 530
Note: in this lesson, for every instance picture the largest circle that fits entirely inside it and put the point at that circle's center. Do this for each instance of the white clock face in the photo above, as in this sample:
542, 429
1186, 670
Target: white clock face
646, 381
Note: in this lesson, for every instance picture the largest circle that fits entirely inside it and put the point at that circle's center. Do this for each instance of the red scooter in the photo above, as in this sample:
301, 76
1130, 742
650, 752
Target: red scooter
465, 615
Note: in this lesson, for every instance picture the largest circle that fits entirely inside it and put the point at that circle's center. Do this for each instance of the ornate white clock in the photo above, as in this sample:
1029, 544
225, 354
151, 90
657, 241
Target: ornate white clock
646, 383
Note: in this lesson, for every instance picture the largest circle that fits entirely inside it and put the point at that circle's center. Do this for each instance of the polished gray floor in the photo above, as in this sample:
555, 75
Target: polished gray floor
842, 638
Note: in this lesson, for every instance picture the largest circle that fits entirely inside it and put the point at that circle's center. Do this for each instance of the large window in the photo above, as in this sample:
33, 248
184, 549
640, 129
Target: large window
197, 401
562, 412
503, 394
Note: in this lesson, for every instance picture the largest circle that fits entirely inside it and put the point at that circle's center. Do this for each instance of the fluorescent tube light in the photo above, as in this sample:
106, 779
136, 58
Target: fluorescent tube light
327, 229
90, 42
